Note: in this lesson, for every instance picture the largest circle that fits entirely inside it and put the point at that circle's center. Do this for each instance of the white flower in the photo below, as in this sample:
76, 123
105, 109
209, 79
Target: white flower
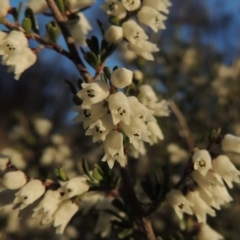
14, 180
80, 29
200, 207
206, 233
231, 143
156, 4
47, 206
135, 152
114, 34
152, 18
167, 3
161, 109
5, 6
121, 78
131, 5
119, 108
202, 161
114, 8
74, 187
113, 147
79, 4
42, 126
38, 6
156, 132
177, 154
93, 93
179, 203
4, 162
133, 32
100, 128
64, 214
29, 193
224, 167
137, 75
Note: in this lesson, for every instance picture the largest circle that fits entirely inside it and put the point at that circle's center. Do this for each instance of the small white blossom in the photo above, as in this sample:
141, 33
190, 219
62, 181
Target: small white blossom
5, 6
63, 215
231, 143
114, 34
156, 4
179, 203
79, 4
14, 179
156, 132
119, 108
38, 6
42, 126
152, 18
135, 152
177, 154
202, 161
131, 5
4, 162
29, 193
93, 93
121, 78
161, 109
206, 233
73, 187
113, 147
114, 8
47, 206
224, 167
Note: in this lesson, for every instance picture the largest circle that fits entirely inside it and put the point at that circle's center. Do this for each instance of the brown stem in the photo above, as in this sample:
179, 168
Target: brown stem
61, 21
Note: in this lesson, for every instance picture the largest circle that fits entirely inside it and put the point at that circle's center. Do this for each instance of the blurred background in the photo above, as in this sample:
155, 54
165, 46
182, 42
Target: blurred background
197, 69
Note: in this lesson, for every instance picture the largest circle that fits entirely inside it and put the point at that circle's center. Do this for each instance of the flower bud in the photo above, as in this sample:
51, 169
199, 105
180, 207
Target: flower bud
14, 180
231, 143
4, 161
114, 34
4, 8
121, 78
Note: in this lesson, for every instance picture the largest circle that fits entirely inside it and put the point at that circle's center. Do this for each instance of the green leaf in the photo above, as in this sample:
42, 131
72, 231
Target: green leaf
30, 14
117, 182
93, 44
52, 31
100, 26
96, 174
27, 25
91, 59
114, 21
125, 233
86, 169
107, 72
61, 174
61, 5
19, 10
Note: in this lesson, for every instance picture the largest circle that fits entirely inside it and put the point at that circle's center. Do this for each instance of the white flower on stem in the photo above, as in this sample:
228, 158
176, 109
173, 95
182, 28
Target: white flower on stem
63, 215
144, 49
135, 152
156, 4
119, 108
114, 8
179, 203
211, 201
121, 78
93, 93
133, 32
200, 207
42, 126
74, 187
38, 6
206, 233
131, 5
113, 147
14, 179
231, 143
29, 193
5, 6
4, 162
79, 4
47, 206
80, 29
88, 116
100, 128
114, 34
161, 109
156, 132
202, 161
152, 18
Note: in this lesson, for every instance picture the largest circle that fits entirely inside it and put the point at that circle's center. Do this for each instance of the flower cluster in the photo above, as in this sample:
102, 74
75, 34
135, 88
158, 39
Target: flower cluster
110, 115
16, 53
149, 12
56, 207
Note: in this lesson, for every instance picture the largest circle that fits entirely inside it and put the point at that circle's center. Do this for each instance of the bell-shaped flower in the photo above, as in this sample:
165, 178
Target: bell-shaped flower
100, 128
5, 6
136, 152
156, 132
133, 32
202, 161
79, 4
119, 108
147, 96
4, 162
14, 179
156, 4
47, 206
63, 215
88, 116
152, 18
121, 78
131, 5
114, 8
74, 187
29, 193
200, 207
113, 147
114, 34
161, 109
42, 126
231, 143
38, 6
167, 3
80, 29
93, 93
206, 233
144, 49
179, 203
